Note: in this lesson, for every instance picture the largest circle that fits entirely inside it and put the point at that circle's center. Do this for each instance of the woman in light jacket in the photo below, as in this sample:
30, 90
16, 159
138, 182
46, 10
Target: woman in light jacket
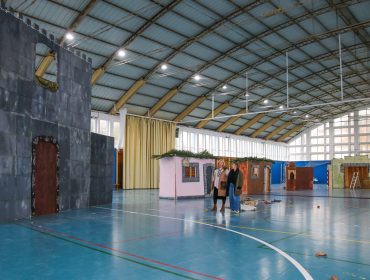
234, 186
219, 185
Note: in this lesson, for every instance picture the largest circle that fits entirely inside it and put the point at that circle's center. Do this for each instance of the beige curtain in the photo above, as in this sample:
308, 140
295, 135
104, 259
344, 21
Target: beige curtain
145, 138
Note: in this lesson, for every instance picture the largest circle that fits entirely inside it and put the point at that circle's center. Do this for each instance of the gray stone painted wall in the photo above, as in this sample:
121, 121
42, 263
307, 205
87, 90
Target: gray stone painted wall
28, 110
102, 162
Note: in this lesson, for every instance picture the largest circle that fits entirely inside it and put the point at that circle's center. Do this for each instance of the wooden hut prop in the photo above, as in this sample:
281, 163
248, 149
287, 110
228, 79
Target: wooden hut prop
256, 174
299, 178
350, 172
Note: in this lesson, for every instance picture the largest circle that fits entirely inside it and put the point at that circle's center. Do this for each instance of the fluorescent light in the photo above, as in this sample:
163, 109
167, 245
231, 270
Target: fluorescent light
197, 77
224, 87
164, 67
294, 112
69, 36
281, 107
121, 53
265, 101
307, 116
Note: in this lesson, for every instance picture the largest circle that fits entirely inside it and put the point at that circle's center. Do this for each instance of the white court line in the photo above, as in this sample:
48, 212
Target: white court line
300, 268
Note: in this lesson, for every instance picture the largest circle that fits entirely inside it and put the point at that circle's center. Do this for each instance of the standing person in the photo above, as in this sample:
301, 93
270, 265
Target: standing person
234, 186
219, 185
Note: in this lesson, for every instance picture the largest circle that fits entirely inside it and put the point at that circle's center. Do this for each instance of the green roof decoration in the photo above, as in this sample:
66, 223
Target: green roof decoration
185, 154
204, 155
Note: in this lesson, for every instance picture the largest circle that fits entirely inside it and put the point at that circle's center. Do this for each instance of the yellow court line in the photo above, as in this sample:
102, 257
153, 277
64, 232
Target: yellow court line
296, 234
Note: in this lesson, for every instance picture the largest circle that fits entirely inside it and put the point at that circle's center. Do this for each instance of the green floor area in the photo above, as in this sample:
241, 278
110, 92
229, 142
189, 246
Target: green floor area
139, 236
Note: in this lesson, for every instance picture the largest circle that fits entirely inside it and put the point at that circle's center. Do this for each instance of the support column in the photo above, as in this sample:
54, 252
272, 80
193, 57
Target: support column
356, 133
331, 139
308, 145
122, 128
121, 142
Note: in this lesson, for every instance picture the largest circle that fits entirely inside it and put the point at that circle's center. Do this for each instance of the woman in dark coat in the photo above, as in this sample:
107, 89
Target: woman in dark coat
234, 186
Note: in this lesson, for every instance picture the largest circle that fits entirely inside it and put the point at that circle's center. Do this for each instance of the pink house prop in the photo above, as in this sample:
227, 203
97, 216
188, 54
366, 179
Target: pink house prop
173, 182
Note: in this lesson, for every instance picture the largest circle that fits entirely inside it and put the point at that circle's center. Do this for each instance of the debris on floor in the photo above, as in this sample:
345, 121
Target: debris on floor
271, 201
320, 254
249, 204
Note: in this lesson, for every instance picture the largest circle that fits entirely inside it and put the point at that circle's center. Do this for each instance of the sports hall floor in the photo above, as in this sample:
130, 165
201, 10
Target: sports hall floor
139, 236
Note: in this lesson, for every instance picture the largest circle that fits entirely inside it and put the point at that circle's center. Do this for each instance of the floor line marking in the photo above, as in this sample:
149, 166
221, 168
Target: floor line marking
293, 233
125, 252
146, 237
108, 253
303, 234
298, 266
318, 196
327, 257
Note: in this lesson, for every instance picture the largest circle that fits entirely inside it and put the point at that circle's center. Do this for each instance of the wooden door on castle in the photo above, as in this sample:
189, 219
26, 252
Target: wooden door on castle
45, 179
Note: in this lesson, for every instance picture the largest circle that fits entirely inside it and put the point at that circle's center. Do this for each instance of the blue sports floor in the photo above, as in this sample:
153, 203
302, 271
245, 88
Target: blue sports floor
142, 237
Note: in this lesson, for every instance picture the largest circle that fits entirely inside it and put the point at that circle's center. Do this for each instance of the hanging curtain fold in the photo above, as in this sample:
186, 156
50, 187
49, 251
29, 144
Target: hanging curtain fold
145, 138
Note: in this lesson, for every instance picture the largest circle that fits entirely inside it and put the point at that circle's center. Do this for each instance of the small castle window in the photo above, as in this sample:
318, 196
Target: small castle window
46, 67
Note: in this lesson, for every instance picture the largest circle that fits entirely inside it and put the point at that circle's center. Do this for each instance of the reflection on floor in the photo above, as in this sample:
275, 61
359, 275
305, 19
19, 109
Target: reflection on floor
142, 237
320, 190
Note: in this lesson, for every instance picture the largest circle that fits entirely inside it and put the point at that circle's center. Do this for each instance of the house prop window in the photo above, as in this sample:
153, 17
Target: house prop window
255, 171
190, 173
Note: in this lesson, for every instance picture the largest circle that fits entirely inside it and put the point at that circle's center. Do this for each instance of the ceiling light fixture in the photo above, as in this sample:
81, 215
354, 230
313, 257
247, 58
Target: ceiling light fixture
164, 67
121, 53
69, 36
224, 87
265, 101
307, 116
197, 77
281, 107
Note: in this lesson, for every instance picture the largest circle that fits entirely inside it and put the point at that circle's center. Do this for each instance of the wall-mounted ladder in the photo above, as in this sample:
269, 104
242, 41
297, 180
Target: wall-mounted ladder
354, 182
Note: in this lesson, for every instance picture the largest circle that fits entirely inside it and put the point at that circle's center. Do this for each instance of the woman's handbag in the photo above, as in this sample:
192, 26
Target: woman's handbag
222, 188
239, 184
238, 191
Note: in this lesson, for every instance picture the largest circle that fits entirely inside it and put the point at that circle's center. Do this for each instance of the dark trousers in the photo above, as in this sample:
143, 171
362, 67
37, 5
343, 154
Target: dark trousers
215, 196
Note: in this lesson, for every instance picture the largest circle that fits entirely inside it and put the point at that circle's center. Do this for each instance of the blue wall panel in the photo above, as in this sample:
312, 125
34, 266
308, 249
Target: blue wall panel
278, 172
114, 167
319, 170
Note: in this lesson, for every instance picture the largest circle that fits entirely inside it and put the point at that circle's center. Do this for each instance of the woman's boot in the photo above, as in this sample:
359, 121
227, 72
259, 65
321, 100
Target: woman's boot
222, 208
214, 207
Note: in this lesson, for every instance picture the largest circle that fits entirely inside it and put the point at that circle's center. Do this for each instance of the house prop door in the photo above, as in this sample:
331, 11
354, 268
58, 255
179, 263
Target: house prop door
44, 176
266, 180
363, 172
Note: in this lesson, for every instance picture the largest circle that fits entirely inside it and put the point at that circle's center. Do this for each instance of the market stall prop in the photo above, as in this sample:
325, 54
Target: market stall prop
185, 175
299, 178
350, 172
256, 173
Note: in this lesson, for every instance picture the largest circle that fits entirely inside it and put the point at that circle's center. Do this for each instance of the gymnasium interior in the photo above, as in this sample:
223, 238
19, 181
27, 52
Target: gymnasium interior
125, 124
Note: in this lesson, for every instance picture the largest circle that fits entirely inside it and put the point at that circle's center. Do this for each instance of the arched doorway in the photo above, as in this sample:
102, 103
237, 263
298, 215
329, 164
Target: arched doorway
208, 172
45, 167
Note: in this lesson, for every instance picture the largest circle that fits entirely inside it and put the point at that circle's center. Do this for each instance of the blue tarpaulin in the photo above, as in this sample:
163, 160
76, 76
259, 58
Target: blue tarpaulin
319, 170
